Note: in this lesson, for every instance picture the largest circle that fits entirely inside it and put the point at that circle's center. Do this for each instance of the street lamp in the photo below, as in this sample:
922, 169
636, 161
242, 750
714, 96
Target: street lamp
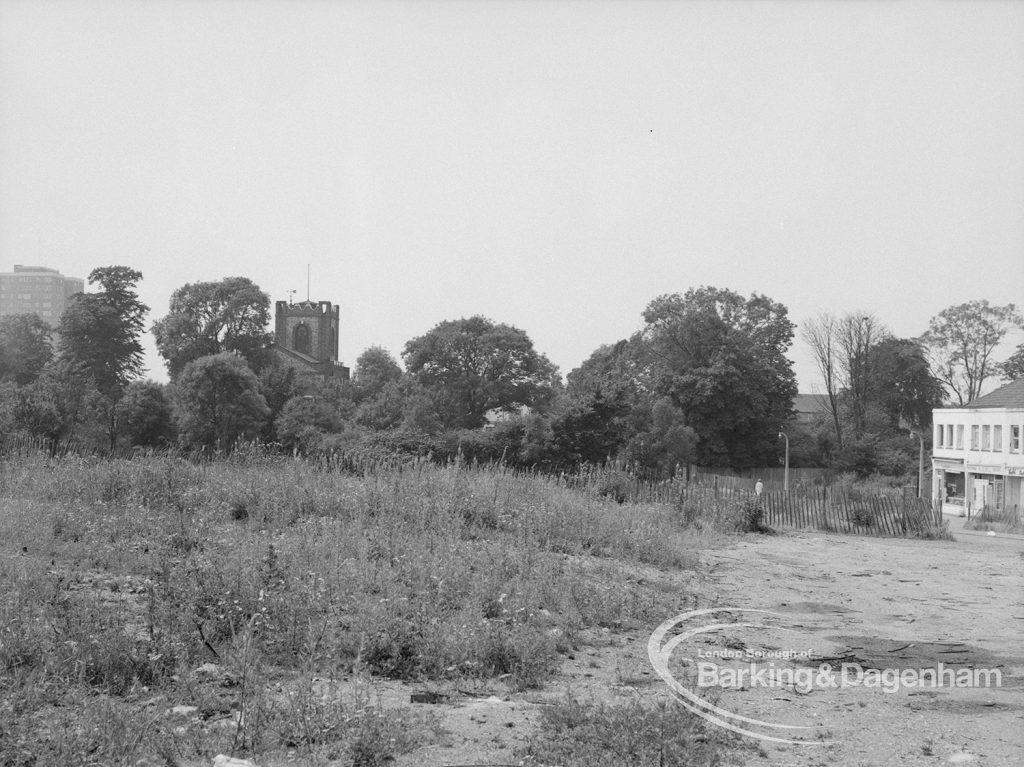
785, 476
920, 462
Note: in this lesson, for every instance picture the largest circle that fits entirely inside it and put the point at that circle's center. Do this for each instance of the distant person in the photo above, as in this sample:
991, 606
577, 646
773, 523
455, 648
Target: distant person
759, 487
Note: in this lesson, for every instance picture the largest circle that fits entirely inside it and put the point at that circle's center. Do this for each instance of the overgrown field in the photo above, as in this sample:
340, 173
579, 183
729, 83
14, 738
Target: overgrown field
163, 610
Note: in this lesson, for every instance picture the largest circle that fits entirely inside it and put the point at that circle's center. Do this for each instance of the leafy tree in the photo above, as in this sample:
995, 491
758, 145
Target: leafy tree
611, 368
305, 421
892, 455
280, 382
474, 365
211, 317
721, 359
383, 410
606, 404
217, 401
400, 405
147, 417
902, 386
62, 399
1013, 368
591, 429
338, 392
960, 341
419, 415
99, 332
667, 442
537, 436
24, 347
811, 445
375, 368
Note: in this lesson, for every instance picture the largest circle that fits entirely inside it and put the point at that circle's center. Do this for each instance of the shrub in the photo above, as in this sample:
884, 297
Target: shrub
617, 485
750, 517
575, 734
272, 566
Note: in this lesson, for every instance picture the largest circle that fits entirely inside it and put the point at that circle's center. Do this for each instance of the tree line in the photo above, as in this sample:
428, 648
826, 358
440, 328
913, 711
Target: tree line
706, 380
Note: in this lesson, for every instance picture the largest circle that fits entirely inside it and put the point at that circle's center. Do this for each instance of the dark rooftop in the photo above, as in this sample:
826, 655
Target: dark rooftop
1011, 395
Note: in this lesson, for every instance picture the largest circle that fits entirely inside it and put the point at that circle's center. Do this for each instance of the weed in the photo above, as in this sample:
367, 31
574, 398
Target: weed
123, 576
862, 516
663, 734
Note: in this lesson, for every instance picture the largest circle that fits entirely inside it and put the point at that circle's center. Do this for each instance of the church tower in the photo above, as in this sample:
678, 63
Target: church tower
306, 336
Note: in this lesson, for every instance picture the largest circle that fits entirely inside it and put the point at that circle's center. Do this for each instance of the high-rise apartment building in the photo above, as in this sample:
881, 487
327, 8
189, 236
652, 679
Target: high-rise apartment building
37, 290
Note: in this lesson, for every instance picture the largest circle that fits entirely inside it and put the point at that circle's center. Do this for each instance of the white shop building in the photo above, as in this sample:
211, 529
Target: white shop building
977, 453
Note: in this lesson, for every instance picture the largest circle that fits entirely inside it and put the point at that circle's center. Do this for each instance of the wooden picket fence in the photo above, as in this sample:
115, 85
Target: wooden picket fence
883, 515
1008, 519
834, 509
806, 506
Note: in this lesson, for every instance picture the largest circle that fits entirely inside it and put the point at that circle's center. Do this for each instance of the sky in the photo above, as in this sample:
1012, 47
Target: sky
549, 164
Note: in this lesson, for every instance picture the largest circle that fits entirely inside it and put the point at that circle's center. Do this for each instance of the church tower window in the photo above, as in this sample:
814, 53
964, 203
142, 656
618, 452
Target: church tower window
301, 339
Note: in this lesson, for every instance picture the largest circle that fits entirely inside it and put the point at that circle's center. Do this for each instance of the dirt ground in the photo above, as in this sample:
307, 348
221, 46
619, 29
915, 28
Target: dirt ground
878, 603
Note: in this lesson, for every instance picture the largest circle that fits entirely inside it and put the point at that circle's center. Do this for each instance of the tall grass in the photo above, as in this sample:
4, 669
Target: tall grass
121, 577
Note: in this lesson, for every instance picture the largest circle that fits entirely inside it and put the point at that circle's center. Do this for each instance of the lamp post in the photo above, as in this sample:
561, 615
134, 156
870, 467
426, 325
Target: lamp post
920, 462
785, 476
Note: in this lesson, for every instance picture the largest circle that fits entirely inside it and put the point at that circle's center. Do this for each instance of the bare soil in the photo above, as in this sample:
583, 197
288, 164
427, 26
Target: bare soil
880, 603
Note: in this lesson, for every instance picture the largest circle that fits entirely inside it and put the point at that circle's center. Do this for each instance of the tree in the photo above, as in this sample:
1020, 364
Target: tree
375, 368
384, 410
1013, 367
59, 401
24, 347
100, 332
721, 359
856, 335
665, 442
820, 334
611, 369
304, 422
902, 386
474, 365
606, 404
217, 401
146, 415
279, 382
960, 341
590, 430
212, 317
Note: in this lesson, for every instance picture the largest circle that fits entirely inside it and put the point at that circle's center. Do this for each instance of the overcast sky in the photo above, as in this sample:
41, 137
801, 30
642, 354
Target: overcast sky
553, 165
